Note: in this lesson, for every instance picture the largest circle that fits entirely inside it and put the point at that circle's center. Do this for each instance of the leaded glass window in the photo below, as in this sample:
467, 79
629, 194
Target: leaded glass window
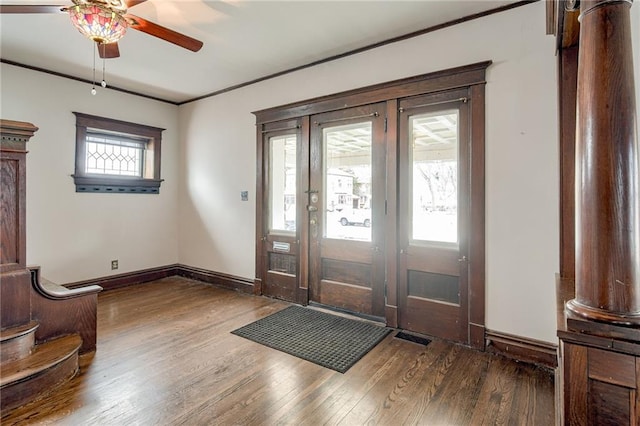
114, 155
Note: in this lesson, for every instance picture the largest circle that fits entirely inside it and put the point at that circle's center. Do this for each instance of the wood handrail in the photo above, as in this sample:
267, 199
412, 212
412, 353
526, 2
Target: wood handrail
55, 291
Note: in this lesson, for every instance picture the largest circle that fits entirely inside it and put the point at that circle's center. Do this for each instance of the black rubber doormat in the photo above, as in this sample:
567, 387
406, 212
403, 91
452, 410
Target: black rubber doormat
328, 340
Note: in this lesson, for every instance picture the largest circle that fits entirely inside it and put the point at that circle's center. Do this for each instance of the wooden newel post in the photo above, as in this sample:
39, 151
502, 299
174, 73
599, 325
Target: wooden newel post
607, 282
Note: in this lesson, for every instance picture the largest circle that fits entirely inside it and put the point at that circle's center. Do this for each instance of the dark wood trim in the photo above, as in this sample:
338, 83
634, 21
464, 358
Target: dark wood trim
260, 194
303, 295
270, 283
14, 136
232, 282
83, 80
562, 23
302, 220
150, 181
568, 34
477, 336
130, 278
14, 221
391, 218
120, 126
448, 79
551, 16
567, 86
522, 348
15, 306
368, 47
391, 315
477, 258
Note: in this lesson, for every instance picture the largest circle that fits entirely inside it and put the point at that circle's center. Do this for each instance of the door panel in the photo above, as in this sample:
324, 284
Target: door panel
280, 243
346, 209
434, 191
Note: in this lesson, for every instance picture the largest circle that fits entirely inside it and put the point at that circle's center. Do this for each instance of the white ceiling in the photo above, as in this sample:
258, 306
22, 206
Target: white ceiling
243, 40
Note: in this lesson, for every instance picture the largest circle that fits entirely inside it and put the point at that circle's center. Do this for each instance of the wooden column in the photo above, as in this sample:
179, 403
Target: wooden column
607, 282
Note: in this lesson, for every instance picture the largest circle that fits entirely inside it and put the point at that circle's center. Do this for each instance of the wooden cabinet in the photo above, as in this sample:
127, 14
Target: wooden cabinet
599, 369
15, 281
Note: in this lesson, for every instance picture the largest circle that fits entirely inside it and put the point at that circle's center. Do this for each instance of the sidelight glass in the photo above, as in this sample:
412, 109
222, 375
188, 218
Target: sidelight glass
282, 183
434, 177
347, 181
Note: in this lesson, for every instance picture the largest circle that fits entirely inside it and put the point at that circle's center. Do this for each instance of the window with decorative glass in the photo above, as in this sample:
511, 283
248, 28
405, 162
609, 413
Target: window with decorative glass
116, 156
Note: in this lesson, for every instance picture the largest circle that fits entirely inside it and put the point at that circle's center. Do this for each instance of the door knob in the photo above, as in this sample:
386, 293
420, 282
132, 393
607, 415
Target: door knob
462, 259
312, 222
312, 208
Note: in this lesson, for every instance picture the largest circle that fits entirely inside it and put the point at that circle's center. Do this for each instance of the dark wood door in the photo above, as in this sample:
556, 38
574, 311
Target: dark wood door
345, 207
283, 153
434, 164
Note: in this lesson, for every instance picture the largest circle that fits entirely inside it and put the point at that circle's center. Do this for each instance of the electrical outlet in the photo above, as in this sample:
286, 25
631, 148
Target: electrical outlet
114, 264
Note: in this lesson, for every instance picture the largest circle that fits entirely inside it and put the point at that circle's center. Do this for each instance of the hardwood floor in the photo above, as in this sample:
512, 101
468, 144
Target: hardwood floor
166, 357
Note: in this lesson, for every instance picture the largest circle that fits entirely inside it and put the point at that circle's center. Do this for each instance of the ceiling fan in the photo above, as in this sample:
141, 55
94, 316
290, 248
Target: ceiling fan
106, 21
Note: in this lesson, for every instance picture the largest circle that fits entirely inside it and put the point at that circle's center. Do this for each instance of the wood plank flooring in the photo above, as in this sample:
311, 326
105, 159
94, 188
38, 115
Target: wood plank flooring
166, 357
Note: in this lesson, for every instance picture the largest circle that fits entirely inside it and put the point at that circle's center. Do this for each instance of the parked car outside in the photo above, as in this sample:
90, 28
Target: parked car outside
356, 217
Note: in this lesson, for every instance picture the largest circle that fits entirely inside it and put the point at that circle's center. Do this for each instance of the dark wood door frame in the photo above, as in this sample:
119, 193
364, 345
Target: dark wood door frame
429, 257
472, 77
348, 273
265, 240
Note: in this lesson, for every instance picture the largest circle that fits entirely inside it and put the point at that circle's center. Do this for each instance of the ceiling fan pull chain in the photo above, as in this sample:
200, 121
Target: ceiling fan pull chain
93, 87
104, 48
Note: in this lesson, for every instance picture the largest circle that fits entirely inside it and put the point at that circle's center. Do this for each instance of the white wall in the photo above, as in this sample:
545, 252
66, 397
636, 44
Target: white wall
218, 146
74, 236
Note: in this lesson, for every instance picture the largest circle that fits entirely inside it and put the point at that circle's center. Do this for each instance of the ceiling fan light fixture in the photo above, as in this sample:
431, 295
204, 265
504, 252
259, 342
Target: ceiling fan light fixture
98, 23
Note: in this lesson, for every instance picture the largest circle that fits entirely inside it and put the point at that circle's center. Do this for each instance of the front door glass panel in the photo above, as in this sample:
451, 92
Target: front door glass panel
434, 177
282, 184
347, 181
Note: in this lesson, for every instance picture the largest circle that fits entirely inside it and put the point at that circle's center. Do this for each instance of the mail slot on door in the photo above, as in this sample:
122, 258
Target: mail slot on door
279, 246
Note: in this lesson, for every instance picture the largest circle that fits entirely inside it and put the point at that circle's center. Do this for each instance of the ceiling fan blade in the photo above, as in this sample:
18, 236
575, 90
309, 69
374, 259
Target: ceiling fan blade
108, 50
131, 3
31, 8
163, 33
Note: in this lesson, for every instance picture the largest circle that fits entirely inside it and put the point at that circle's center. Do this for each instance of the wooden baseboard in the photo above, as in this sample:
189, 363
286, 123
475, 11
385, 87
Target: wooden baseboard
522, 348
131, 278
232, 282
123, 280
